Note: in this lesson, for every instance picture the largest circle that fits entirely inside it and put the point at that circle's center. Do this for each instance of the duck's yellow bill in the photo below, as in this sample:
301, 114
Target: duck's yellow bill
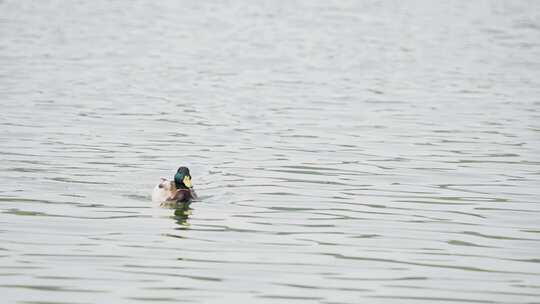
187, 181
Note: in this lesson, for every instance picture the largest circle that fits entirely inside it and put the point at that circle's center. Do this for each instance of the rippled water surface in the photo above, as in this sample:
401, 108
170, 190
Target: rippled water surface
343, 152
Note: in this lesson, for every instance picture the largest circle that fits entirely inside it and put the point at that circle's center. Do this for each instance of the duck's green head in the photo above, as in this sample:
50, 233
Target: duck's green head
182, 178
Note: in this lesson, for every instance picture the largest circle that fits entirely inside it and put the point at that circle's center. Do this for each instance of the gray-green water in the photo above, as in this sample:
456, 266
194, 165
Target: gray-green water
344, 152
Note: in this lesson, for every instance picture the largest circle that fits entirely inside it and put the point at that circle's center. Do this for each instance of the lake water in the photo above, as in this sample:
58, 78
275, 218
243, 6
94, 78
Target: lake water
343, 152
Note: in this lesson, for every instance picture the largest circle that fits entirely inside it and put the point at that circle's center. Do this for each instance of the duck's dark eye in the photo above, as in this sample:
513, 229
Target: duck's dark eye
160, 186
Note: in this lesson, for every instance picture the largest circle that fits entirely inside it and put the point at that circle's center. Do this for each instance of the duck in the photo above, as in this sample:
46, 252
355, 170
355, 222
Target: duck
178, 190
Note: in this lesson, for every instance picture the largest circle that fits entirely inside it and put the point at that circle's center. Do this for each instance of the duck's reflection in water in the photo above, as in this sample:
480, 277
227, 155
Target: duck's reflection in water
182, 211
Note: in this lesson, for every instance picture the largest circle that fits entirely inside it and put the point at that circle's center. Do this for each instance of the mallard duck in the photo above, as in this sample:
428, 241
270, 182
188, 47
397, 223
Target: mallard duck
179, 190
